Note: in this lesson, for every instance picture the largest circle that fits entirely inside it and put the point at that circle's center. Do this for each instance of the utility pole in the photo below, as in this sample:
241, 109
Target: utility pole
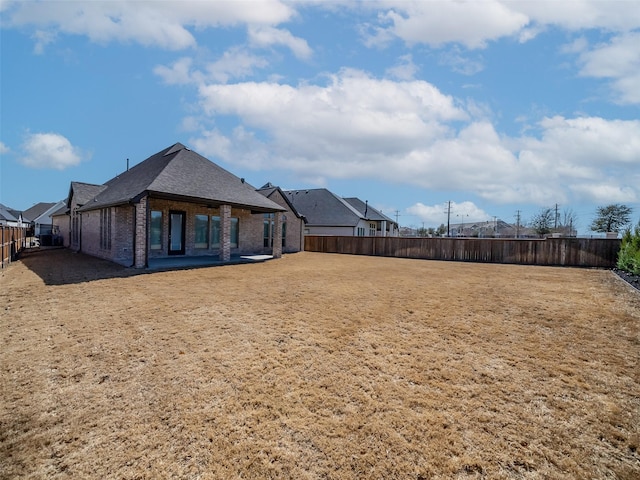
448, 218
555, 224
517, 223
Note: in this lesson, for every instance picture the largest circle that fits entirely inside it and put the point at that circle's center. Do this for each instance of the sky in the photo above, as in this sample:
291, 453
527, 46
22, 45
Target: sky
473, 109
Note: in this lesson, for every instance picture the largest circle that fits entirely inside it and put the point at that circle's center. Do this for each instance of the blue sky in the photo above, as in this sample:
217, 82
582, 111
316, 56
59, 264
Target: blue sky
498, 107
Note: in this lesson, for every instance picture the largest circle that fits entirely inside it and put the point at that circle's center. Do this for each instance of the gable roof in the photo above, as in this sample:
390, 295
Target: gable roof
179, 173
321, 207
269, 189
31, 214
63, 210
367, 211
83, 192
9, 214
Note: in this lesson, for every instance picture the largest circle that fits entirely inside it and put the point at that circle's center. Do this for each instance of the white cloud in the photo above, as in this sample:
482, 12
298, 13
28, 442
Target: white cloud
179, 73
405, 69
461, 63
581, 14
618, 60
591, 142
266, 36
605, 193
235, 63
356, 126
472, 24
42, 39
50, 150
162, 24
4, 149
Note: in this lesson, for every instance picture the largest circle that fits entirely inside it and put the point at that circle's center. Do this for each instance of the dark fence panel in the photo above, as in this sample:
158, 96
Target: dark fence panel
12, 241
568, 252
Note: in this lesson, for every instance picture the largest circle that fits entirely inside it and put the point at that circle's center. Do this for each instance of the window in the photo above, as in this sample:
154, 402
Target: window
361, 231
75, 230
372, 229
234, 232
105, 229
268, 229
202, 231
215, 231
284, 231
155, 241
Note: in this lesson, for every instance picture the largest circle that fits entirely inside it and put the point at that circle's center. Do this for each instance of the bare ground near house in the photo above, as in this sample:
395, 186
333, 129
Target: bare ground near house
317, 366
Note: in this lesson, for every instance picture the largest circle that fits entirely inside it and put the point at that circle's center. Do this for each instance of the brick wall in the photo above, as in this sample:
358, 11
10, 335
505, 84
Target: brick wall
63, 223
121, 250
250, 228
294, 241
140, 240
129, 225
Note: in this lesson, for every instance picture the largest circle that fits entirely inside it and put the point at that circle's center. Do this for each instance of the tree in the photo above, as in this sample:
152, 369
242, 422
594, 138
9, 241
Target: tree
441, 230
611, 218
542, 222
629, 254
568, 223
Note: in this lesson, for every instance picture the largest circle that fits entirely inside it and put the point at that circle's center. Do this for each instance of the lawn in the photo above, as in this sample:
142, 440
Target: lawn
317, 366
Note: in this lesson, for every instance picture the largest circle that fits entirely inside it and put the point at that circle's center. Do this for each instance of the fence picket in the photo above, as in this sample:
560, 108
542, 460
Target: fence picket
12, 241
568, 252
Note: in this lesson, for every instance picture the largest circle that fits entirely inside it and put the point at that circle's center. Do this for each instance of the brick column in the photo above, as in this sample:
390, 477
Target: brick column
276, 250
140, 219
225, 233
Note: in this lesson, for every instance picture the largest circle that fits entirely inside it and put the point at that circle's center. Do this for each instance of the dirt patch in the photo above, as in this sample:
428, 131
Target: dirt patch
317, 366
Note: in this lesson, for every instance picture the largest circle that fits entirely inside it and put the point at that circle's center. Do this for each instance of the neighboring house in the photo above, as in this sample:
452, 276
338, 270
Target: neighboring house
329, 214
385, 226
489, 229
62, 224
174, 203
11, 218
292, 225
40, 217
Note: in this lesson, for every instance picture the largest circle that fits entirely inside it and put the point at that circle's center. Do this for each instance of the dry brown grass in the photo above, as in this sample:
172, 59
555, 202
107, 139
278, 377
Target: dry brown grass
317, 366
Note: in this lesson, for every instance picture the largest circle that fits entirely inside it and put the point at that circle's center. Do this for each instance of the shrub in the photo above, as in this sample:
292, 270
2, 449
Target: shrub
629, 254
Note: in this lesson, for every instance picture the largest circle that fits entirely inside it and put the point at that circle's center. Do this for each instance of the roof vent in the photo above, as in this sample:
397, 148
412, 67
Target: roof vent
242, 180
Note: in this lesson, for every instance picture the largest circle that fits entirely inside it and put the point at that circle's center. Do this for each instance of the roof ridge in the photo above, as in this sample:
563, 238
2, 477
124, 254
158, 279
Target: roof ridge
176, 147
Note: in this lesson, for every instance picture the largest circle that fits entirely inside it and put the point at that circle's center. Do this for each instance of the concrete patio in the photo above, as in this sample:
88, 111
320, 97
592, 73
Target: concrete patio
179, 262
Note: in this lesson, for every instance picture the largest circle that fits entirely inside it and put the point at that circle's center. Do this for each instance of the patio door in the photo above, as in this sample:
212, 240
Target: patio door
176, 232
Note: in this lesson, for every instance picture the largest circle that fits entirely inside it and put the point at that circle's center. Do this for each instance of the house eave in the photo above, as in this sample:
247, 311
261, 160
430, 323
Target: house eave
208, 202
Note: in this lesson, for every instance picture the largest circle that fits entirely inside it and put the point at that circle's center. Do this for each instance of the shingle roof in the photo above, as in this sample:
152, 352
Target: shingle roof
371, 213
321, 207
269, 189
38, 209
63, 210
84, 192
8, 214
177, 172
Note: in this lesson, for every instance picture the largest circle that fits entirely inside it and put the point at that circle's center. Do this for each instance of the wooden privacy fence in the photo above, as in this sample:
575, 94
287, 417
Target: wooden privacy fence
569, 252
12, 241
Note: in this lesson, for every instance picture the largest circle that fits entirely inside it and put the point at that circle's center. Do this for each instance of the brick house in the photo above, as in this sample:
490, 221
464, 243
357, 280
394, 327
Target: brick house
328, 214
292, 225
175, 203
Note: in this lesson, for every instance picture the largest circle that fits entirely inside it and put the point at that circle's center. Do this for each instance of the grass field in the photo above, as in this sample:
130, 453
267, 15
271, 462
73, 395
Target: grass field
317, 366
